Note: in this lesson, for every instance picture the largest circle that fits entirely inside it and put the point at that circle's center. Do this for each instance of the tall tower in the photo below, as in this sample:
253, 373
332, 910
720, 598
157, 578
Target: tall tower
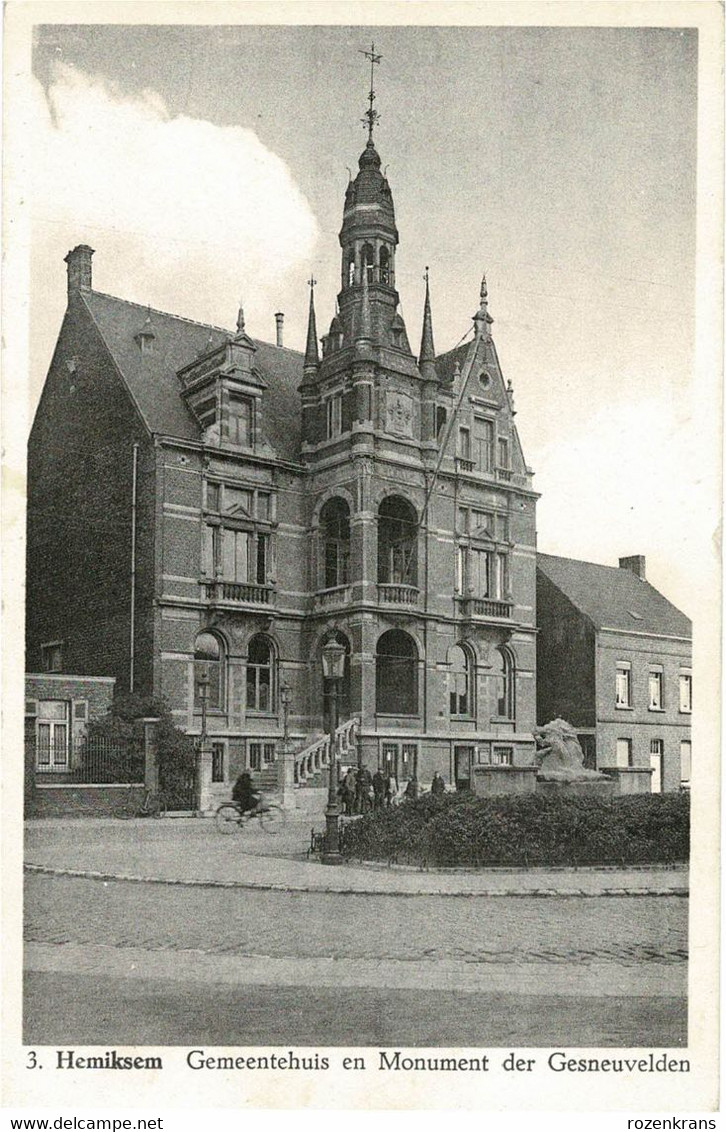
367, 333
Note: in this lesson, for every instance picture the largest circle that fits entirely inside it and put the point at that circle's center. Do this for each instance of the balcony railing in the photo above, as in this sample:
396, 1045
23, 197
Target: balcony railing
465, 465
333, 598
246, 593
486, 607
394, 594
505, 474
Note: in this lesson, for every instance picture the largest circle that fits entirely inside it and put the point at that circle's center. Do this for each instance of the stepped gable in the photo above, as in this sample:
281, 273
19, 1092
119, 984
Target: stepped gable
152, 377
610, 595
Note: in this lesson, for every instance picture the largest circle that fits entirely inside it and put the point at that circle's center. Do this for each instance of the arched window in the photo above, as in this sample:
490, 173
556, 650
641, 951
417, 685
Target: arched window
344, 686
503, 671
397, 534
335, 529
368, 261
260, 674
460, 682
383, 261
209, 662
396, 674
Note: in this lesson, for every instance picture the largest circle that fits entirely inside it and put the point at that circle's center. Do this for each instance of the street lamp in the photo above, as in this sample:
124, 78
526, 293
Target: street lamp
285, 698
333, 655
203, 689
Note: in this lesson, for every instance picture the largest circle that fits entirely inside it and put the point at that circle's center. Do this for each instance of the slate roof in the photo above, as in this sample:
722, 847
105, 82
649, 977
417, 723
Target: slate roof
152, 377
446, 363
609, 596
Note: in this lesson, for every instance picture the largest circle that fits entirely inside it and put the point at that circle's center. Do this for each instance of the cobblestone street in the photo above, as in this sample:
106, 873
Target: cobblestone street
111, 960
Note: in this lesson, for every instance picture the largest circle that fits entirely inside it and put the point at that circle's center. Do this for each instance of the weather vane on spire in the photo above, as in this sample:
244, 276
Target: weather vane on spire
371, 116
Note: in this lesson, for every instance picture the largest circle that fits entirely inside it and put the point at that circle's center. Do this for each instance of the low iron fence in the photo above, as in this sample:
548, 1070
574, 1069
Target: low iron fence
89, 761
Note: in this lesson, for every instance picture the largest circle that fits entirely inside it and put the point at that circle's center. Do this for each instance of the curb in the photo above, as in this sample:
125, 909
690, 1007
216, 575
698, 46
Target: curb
265, 886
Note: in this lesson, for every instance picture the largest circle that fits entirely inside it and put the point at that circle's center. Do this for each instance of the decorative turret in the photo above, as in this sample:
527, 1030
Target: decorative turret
482, 318
427, 355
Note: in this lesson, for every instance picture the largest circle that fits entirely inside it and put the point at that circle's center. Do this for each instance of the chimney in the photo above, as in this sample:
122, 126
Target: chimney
79, 269
635, 563
279, 322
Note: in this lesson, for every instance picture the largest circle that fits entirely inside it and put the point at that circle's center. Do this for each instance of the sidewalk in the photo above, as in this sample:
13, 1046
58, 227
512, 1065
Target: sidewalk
188, 851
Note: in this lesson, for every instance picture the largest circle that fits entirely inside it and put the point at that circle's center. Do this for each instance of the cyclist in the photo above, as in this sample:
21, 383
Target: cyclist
245, 794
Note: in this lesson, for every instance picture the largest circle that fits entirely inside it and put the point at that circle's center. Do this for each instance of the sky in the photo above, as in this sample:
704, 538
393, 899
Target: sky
207, 166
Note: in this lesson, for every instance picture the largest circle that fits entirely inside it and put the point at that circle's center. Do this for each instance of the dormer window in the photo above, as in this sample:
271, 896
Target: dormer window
146, 336
239, 420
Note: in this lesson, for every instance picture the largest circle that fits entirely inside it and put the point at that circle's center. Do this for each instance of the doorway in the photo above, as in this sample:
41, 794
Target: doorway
463, 759
656, 766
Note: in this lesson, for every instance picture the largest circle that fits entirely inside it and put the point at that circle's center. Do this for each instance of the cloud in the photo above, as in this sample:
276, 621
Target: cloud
185, 215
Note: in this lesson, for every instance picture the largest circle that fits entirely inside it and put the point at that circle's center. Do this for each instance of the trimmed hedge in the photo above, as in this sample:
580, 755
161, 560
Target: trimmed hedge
462, 829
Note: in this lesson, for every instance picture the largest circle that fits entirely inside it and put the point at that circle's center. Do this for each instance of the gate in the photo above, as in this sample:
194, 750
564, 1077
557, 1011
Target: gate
178, 779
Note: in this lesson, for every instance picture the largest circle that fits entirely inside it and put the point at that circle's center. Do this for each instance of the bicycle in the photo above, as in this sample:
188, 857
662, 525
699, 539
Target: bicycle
229, 817
152, 805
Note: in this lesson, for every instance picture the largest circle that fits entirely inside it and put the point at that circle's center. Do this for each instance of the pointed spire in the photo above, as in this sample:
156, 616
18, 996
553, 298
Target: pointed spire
312, 358
427, 356
482, 318
240, 320
371, 116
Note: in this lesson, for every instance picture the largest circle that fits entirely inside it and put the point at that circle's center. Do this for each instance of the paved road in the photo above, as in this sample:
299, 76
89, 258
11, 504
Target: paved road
127, 963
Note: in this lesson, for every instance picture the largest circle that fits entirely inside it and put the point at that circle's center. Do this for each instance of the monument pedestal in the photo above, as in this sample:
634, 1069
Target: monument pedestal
592, 788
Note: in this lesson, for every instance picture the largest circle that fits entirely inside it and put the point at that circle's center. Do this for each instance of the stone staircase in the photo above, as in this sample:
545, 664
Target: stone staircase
313, 761
312, 766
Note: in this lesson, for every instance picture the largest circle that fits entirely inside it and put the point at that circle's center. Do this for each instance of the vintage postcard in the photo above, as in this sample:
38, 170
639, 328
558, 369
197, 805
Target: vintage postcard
362, 498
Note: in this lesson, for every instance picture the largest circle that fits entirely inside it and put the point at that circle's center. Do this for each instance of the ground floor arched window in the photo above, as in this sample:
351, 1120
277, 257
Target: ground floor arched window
261, 693
460, 682
396, 674
503, 666
209, 664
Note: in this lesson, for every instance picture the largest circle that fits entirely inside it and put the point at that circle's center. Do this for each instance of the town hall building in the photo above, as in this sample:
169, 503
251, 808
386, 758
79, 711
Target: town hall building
207, 510
203, 501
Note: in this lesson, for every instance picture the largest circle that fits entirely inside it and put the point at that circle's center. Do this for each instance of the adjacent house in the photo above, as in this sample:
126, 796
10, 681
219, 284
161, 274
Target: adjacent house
614, 659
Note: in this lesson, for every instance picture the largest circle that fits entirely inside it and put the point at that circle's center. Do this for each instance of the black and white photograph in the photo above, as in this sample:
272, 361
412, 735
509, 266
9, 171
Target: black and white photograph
362, 543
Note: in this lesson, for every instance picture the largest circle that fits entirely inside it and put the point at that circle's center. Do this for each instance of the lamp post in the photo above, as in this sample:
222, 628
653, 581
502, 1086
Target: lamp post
333, 667
285, 698
285, 766
203, 688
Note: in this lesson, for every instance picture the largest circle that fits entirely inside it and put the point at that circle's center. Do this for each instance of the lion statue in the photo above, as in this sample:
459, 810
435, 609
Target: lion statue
559, 754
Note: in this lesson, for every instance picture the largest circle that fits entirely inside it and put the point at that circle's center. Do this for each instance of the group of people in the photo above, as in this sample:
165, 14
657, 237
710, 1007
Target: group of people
361, 791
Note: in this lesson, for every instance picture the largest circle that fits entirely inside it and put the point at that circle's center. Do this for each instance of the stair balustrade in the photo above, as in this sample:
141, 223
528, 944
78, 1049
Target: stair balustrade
315, 758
